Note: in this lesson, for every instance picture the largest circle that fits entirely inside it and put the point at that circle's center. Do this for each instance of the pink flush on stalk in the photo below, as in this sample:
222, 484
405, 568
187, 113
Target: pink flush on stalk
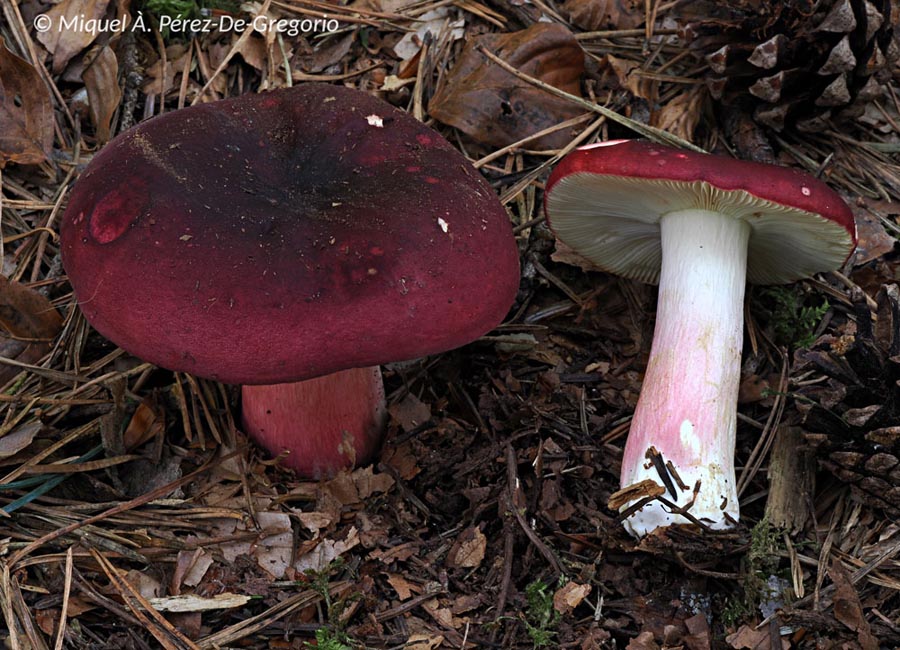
290, 241
700, 226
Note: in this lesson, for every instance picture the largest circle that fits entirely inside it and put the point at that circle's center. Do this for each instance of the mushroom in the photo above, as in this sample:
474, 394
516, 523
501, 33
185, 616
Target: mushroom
700, 226
272, 239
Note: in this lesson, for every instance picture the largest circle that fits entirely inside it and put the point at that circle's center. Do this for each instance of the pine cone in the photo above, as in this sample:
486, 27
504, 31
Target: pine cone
853, 419
795, 63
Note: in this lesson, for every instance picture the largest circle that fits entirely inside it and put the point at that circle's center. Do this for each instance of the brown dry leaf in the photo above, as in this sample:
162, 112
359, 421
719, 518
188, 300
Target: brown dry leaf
494, 107
341, 489
409, 412
873, 240
436, 24
681, 114
403, 459
442, 615
148, 421
569, 596
315, 521
404, 588
275, 546
190, 567
468, 550
326, 552
629, 76
848, 608
26, 314
18, 439
26, 112
253, 50
698, 633
101, 78
643, 641
325, 55
368, 482
593, 15
749, 638
62, 40
158, 80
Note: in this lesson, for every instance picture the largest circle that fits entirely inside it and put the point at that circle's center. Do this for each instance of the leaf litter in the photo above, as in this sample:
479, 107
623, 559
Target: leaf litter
137, 515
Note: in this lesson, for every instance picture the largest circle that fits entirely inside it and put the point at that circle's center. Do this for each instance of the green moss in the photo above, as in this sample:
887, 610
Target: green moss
540, 615
792, 319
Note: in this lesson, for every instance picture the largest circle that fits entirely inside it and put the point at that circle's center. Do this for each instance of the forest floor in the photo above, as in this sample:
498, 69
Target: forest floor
137, 515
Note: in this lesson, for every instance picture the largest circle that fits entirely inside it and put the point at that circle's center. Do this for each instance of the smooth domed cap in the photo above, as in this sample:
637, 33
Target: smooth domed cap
281, 236
605, 202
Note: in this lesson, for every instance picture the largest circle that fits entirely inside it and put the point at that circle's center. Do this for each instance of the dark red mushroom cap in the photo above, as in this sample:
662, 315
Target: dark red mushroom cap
605, 201
286, 235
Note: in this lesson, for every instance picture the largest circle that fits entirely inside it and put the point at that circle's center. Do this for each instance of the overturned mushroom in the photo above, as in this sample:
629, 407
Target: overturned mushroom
700, 226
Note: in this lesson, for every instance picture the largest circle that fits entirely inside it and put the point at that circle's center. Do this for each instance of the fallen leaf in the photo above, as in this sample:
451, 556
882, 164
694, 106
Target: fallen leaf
65, 39
325, 55
749, 638
148, 422
326, 552
25, 313
101, 78
315, 521
403, 459
190, 567
18, 439
468, 550
275, 547
404, 588
629, 75
442, 615
873, 240
569, 596
496, 108
26, 112
368, 482
698, 633
593, 15
409, 412
643, 641
848, 608
252, 49
681, 114
434, 22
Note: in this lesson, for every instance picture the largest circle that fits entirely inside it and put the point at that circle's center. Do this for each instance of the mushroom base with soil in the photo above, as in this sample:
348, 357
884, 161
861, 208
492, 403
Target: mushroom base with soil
328, 423
686, 410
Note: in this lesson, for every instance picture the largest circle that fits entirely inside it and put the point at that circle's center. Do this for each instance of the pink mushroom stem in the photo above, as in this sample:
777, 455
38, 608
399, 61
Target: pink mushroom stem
325, 424
687, 406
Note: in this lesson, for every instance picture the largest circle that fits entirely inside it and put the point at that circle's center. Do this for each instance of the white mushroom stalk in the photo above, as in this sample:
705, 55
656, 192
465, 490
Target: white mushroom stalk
700, 227
687, 406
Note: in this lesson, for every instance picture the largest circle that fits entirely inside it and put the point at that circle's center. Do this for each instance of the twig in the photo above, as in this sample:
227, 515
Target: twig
520, 517
657, 135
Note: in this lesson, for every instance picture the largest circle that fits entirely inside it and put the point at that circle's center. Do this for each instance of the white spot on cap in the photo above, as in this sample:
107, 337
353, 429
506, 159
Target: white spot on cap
805, 191
688, 437
375, 120
443, 224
